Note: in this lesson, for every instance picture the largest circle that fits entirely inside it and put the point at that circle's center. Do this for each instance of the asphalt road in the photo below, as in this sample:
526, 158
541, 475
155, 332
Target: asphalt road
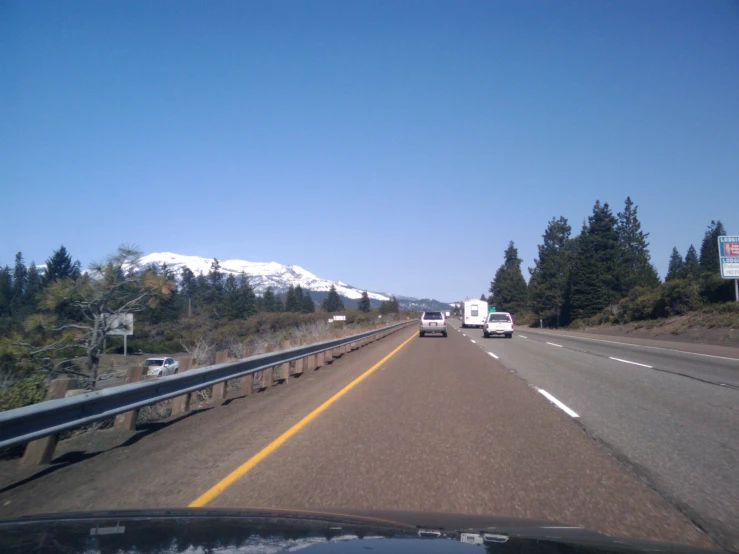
437, 426
675, 423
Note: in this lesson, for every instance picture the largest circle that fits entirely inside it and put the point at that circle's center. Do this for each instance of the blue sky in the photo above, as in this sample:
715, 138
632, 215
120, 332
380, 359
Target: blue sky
397, 146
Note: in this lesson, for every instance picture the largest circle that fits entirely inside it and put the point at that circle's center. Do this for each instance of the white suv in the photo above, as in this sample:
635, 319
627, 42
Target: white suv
498, 323
433, 322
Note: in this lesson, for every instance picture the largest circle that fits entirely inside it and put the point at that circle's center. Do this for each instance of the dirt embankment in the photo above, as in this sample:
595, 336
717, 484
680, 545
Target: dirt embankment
696, 327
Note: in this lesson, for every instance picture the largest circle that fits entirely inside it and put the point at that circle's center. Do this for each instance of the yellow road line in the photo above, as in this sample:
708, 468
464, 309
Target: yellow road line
240, 471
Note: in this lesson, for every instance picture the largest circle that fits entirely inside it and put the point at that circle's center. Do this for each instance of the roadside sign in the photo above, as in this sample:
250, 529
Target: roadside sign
728, 252
339, 318
491, 309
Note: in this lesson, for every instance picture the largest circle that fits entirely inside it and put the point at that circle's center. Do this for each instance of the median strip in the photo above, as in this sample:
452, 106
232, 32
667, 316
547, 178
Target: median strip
632, 363
557, 403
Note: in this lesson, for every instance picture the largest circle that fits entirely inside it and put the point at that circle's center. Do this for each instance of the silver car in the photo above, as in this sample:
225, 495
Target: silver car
160, 367
432, 322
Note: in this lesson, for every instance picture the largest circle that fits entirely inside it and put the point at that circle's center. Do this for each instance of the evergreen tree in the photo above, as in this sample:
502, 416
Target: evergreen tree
291, 300
509, 292
231, 295
692, 268
279, 303
169, 307
215, 277
214, 296
299, 297
709, 258
269, 302
188, 287
635, 269
306, 305
247, 305
60, 266
6, 291
33, 286
390, 306
593, 280
676, 267
333, 302
364, 303
20, 280
548, 283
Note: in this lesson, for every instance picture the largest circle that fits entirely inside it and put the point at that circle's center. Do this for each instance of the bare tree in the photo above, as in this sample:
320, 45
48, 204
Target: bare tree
94, 303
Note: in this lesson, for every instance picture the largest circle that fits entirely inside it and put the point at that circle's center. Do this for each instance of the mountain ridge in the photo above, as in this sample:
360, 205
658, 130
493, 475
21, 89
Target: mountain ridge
280, 276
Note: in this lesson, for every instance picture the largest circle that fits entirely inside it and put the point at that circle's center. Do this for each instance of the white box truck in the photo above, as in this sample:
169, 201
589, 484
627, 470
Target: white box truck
474, 313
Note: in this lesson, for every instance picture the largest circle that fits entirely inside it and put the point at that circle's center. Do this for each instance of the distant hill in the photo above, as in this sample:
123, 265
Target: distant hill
278, 276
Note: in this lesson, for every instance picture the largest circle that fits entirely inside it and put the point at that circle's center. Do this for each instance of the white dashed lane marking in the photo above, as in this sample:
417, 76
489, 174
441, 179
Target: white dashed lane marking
632, 363
557, 403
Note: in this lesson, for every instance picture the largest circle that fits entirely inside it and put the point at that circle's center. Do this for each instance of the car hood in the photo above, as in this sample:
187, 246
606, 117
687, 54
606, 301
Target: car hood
272, 531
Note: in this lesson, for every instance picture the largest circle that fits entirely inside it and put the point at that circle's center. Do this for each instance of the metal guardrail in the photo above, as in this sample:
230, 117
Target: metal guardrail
25, 424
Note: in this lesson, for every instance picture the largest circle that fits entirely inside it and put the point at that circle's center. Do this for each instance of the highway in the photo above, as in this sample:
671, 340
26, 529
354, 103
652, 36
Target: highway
671, 415
437, 424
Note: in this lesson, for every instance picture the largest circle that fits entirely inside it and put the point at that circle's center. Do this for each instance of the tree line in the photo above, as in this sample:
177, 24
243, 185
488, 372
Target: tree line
216, 295
55, 319
606, 273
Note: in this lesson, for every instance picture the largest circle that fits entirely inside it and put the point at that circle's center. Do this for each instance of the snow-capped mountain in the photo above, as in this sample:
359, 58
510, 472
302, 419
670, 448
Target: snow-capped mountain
261, 274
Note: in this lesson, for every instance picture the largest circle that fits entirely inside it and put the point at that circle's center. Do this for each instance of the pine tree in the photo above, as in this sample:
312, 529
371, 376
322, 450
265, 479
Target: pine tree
188, 287
333, 302
169, 307
390, 306
60, 266
548, 283
269, 302
593, 280
364, 303
33, 286
20, 280
299, 297
230, 308
709, 258
306, 305
291, 300
692, 268
6, 291
635, 269
676, 267
247, 305
509, 292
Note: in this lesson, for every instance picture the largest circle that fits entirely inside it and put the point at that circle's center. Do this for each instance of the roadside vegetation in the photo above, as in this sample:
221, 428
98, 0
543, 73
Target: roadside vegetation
57, 321
605, 276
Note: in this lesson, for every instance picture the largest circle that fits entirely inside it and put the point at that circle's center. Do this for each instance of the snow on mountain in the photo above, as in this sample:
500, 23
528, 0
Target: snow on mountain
261, 274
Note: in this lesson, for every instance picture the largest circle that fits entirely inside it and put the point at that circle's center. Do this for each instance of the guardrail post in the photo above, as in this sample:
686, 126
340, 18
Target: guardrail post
127, 421
320, 360
181, 404
220, 389
268, 375
247, 381
41, 451
299, 364
283, 370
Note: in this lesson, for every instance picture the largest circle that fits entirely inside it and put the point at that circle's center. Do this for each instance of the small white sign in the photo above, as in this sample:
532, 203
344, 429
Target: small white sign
339, 318
118, 324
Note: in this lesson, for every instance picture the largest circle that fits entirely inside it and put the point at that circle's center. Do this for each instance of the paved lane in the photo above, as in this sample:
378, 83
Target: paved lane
678, 427
444, 427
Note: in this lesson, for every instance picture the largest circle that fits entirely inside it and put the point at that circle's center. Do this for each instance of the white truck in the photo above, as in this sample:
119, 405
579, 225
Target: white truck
474, 313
